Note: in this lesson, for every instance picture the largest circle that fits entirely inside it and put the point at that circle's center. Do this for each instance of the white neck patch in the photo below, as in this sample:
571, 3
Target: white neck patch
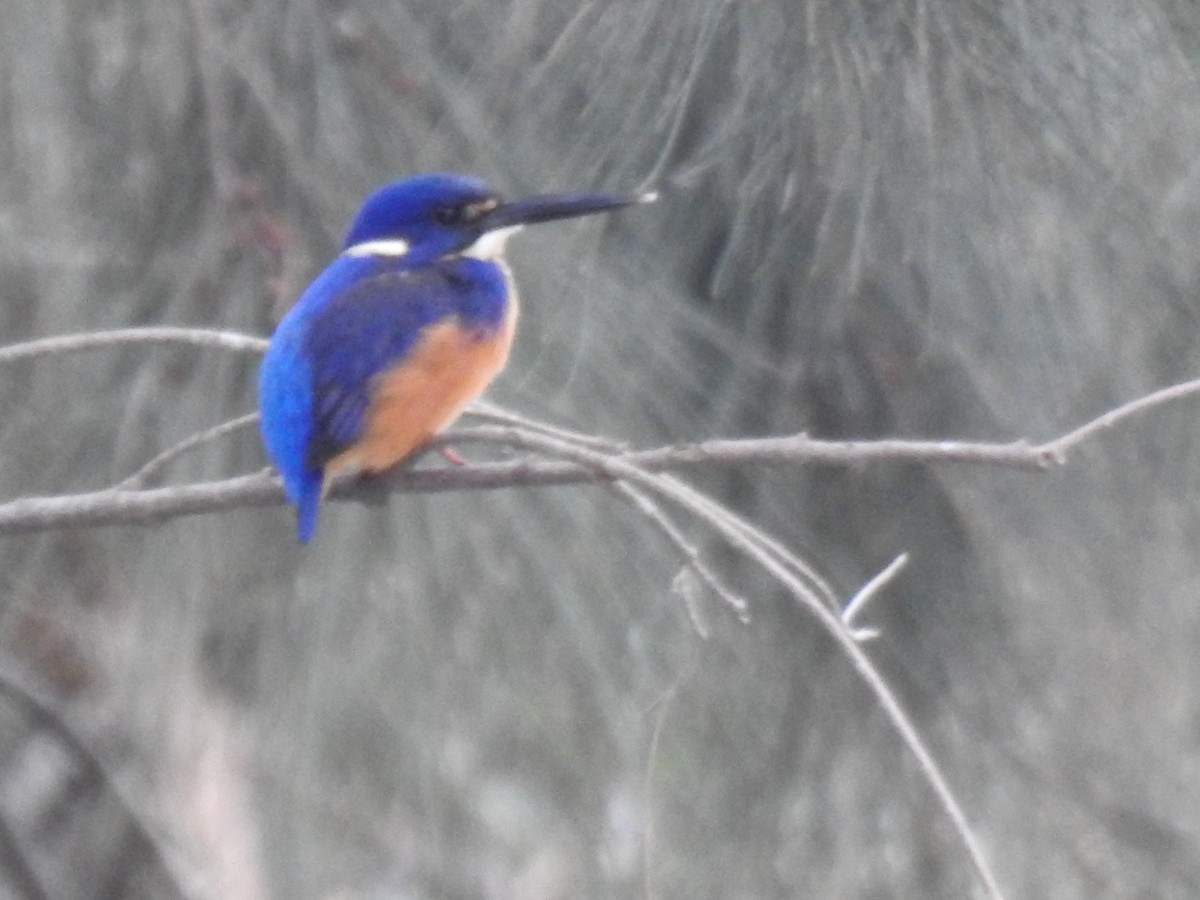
386, 247
490, 246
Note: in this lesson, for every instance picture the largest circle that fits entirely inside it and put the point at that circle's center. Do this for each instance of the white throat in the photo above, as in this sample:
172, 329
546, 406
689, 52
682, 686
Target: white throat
490, 246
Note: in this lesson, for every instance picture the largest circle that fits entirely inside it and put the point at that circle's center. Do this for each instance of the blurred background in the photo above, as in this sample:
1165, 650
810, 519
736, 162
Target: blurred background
927, 219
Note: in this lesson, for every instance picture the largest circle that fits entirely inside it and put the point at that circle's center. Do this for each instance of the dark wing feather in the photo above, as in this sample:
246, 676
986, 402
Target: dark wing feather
367, 329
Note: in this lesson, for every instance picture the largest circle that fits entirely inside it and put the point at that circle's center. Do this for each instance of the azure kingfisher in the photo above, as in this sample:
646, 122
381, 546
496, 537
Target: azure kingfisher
397, 335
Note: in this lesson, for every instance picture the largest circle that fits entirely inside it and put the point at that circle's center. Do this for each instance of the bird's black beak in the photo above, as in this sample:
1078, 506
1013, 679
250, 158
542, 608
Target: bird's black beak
548, 207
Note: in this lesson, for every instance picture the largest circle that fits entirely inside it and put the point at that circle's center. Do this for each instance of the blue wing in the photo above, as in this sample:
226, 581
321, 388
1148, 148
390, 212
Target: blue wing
359, 318
367, 328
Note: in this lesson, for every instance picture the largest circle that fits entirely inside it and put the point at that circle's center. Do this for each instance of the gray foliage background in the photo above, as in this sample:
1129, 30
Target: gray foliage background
917, 218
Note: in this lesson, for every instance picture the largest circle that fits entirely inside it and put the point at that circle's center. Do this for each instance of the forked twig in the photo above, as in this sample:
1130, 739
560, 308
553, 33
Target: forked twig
866, 594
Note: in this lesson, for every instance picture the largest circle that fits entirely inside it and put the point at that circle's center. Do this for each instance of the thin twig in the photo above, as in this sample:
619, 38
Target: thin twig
1057, 448
694, 560
193, 337
168, 456
769, 545
491, 412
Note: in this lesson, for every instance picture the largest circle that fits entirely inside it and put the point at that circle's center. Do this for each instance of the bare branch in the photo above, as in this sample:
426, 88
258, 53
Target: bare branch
193, 337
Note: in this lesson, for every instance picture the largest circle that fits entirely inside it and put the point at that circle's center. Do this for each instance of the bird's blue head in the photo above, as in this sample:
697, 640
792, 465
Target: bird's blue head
427, 217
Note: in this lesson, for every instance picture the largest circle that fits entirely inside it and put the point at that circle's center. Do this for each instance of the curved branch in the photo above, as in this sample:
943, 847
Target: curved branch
153, 467
192, 337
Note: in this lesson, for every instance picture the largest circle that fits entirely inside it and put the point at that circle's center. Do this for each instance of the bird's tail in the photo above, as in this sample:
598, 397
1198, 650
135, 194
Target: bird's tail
308, 499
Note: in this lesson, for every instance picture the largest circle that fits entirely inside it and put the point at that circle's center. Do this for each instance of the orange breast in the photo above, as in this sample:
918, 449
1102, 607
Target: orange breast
425, 393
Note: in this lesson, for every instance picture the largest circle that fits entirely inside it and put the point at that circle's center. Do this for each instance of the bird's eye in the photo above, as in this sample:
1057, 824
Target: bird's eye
448, 215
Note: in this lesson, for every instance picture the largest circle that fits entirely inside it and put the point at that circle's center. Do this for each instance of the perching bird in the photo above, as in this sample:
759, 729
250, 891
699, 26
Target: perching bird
408, 325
